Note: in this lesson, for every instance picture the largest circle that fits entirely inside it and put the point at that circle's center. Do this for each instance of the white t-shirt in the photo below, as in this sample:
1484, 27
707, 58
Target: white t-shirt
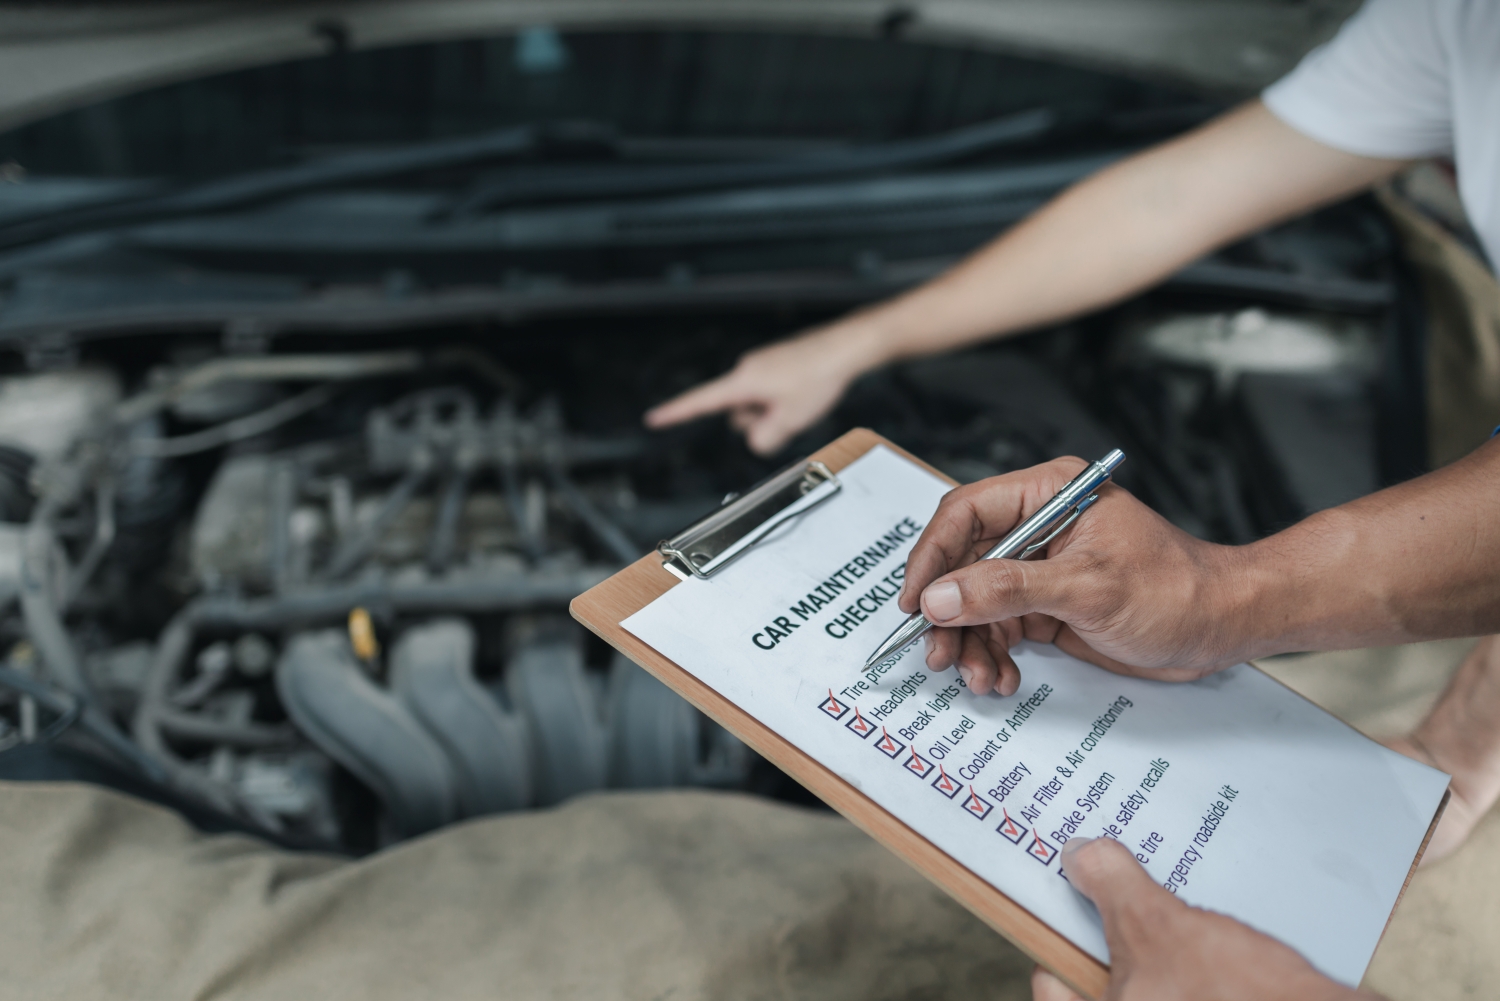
1410, 79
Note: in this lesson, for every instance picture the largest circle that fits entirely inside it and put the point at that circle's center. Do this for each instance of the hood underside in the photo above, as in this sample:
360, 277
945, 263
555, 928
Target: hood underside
58, 56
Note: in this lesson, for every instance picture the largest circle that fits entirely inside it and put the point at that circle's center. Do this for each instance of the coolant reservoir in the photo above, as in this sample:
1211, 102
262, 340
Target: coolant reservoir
1254, 340
44, 413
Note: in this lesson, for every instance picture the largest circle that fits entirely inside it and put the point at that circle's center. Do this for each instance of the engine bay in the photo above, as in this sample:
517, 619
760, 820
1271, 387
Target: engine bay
323, 589
321, 388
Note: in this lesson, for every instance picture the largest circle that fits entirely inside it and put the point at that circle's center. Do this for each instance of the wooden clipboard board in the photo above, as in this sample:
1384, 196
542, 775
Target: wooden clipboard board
602, 609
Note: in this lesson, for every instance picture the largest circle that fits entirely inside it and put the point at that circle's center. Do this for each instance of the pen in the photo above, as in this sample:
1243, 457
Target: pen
1049, 521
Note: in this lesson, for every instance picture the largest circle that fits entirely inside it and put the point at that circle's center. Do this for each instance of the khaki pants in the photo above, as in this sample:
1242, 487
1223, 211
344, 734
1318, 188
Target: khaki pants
675, 895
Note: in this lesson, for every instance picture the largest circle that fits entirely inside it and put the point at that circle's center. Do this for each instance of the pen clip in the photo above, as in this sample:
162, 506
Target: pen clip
1062, 527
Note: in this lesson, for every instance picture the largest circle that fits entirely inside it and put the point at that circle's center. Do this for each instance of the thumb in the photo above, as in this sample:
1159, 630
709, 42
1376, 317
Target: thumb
1107, 873
992, 590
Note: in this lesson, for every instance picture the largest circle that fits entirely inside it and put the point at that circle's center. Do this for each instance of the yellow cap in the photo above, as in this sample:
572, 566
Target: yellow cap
362, 635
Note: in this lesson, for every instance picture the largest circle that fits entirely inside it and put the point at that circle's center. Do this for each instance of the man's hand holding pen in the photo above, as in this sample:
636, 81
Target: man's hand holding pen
1121, 588
1126, 590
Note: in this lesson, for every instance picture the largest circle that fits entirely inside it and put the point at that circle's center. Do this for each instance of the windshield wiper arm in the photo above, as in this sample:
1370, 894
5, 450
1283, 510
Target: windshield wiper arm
243, 190
625, 181
263, 185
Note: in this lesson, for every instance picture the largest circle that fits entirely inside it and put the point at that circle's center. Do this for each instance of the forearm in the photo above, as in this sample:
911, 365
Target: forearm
1416, 561
1112, 235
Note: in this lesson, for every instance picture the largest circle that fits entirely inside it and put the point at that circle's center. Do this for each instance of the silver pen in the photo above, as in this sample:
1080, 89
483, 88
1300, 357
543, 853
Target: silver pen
1027, 538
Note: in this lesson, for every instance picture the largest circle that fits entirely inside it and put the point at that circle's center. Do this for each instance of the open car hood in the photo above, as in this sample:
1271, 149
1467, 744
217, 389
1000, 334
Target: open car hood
62, 55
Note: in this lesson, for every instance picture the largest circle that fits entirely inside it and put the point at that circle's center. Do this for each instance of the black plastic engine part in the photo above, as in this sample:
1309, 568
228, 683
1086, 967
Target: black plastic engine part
1310, 440
15, 483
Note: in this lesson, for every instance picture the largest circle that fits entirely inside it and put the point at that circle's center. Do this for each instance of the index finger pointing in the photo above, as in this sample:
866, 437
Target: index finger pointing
710, 398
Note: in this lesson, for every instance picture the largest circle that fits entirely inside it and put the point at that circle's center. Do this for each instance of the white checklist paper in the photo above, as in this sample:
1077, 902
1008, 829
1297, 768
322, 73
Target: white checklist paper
1234, 792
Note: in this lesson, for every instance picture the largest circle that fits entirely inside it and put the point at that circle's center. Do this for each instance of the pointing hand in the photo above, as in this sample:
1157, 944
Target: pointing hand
773, 393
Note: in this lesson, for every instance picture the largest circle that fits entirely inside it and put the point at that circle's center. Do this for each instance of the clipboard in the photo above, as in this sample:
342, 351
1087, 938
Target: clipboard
714, 542
603, 607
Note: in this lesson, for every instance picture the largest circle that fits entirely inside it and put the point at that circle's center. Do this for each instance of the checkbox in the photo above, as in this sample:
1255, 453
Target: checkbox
1009, 829
833, 707
945, 785
1040, 850
889, 746
918, 765
977, 806
859, 726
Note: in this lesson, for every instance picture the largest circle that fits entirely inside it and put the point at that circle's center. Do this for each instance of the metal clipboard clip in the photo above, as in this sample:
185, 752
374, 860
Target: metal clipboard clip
713, 543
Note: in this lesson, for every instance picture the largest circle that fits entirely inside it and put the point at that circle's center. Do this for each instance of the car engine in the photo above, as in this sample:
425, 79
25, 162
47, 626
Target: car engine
325, 593
371, 621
